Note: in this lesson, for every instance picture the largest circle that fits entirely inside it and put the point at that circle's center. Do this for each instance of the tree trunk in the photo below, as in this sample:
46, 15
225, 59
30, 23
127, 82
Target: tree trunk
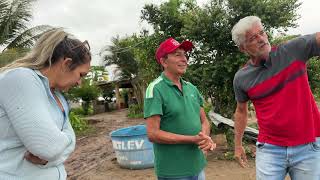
139, 90
85, 106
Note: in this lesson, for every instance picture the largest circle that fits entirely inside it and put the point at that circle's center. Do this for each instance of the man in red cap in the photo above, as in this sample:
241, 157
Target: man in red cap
176, 122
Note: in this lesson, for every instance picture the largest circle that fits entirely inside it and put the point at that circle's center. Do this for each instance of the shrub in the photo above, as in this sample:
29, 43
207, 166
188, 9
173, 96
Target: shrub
135, 111
81, 112
87, 92
207, 107
77, 122
78, 111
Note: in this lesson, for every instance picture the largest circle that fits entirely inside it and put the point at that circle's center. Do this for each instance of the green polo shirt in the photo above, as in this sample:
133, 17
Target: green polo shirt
180, 114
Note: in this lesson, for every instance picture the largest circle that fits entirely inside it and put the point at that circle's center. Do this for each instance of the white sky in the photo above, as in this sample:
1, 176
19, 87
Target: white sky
99, 20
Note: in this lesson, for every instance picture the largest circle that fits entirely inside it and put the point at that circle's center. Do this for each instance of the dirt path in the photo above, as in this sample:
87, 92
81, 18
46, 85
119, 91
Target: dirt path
94, 158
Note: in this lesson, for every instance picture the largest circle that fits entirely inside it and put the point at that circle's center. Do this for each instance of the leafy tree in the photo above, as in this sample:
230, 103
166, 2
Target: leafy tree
283, 38
169, 17
144, 54
87, 92
134, 57
216, 59
149, 69
98, 73
270, 11
14, 17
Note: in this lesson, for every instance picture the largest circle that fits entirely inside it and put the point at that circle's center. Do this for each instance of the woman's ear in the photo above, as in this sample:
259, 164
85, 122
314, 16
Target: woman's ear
66, 62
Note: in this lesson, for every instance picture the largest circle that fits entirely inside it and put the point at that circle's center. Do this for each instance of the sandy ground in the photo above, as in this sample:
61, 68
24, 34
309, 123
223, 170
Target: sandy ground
94, 158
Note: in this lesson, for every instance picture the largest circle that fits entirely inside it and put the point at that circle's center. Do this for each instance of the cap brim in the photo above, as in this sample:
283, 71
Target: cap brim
186, 45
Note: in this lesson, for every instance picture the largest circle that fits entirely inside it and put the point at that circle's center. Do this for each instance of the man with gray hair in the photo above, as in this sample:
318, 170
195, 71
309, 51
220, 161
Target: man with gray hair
275, 80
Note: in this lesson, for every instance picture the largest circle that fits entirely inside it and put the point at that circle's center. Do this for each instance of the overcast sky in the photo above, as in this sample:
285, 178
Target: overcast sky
99, 20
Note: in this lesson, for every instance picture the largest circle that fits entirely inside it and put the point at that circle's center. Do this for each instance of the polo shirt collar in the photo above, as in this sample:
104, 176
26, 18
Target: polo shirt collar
43, 78
39, 73
169, 82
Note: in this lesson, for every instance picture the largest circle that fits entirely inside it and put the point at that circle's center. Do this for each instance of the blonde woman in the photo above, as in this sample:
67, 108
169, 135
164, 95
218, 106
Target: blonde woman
36, 136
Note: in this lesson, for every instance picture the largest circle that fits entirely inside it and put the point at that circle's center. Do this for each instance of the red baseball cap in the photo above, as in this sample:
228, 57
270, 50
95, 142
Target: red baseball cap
170, 45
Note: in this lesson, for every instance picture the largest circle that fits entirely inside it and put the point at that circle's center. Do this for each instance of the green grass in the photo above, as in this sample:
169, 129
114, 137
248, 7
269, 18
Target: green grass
140, 115
135, 111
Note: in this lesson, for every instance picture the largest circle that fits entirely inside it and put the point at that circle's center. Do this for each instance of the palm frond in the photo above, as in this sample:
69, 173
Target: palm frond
3, 6
13, 19
27, 38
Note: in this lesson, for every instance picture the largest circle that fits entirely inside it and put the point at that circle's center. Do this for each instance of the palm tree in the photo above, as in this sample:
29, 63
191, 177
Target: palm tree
121, 54
14, 17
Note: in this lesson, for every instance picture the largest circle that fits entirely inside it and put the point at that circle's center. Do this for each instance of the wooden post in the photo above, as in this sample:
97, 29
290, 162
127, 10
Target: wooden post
117, 96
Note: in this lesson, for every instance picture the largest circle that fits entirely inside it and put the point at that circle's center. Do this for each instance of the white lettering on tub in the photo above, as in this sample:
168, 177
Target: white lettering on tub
139, 145
131, 145
128, 145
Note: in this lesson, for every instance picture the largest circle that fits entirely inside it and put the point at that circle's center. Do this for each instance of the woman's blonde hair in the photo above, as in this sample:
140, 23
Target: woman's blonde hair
49, 48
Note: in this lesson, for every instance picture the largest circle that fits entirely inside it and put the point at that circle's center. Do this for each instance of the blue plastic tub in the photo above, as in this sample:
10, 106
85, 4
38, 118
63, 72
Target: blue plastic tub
132, 147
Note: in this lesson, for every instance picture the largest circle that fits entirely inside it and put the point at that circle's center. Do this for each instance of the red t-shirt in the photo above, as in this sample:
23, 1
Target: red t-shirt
285, 107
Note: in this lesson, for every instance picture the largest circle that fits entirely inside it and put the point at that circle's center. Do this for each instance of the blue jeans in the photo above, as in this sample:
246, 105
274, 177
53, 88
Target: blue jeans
275, 162
200, 176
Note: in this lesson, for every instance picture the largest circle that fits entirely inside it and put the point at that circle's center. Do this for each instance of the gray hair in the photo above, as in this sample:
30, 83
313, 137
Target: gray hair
51, 46
243, 25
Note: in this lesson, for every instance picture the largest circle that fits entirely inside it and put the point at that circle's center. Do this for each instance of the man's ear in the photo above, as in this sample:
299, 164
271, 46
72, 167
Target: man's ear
163, 61
242, 48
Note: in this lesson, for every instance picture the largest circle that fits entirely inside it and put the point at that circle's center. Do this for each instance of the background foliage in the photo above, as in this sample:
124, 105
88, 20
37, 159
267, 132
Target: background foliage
216, 59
